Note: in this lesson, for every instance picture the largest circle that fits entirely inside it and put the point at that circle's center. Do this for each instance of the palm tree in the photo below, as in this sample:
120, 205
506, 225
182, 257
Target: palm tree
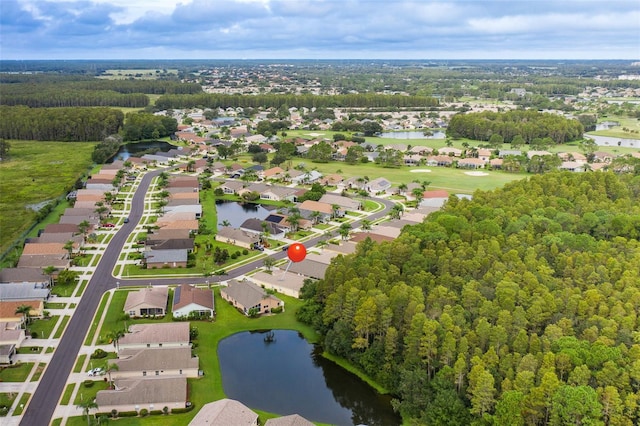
68, 246
334, 210
111, 367
365, 225
50, 270
396, 211
86, 406
225, 223
402, 188
269, 262
25, 310
418, 193
294, 220
315, 216
344, 230
115, 338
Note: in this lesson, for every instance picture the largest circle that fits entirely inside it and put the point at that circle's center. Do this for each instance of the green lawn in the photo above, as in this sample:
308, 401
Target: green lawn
22, 403
16, 372
66, 396
27, 178
44, 326
78, 366
96, 319
38, 372
89, 393
62, 326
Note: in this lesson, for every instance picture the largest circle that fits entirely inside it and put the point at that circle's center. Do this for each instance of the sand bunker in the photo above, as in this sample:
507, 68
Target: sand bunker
420, 171
314, 134
476, 173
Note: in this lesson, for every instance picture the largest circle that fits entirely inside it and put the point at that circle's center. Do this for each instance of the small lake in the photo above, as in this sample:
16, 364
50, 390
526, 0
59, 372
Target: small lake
236, 213
135, 149
290, 376
412, 135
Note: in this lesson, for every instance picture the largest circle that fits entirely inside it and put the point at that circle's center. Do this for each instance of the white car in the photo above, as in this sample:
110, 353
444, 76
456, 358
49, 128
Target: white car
96, 372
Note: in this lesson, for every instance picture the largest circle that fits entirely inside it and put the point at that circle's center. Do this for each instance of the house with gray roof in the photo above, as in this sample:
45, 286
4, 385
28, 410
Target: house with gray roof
190, 300
279, 193
309, 268
24, 275
149, 301
290, 420
255, 226
158, 335
344, 202
307, 177
225, 412
166, 258
285, 282
231, 186
151, 393
246, 295
23, 291
156, 362
378, 185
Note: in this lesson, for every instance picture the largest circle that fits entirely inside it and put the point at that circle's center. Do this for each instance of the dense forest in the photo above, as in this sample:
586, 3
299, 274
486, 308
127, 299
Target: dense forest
517, 307
300, 101
528, 124
74, 124
46, 90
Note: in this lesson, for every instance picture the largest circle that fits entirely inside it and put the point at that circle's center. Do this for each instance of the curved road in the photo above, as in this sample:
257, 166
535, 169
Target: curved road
45, 399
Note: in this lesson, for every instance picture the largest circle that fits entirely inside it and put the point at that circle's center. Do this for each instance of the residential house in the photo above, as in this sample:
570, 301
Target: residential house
258, 227
309, 268
188, 300
412, 159
435, 198
450, 151
509, 152
471, 163
149, 301
378, 185
225, 412
533, 153
307, 178
237, 237
157, 335
12, 333
279, 193
178, 206
439, 160
246, 295
281, 221
496, 163
231, 186
573, 166
150, 393
30, 276
156, 362
8, 310
331, 180
23, 292
290, 420
7, 353
345, 203
272, 173
176, 258
484, 154
190, 225
307, 207
288, 283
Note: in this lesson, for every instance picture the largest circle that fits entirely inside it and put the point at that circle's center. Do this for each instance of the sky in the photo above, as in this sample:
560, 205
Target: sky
319, 29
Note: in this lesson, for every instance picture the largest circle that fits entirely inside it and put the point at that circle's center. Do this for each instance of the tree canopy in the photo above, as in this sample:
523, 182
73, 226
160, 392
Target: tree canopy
518, 306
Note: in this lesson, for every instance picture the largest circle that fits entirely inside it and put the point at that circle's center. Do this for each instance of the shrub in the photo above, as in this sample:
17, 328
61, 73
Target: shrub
98, 354
127, 414
144, 412
245, 252
88, 383
155, 412
34, 335
182, 410
276, 310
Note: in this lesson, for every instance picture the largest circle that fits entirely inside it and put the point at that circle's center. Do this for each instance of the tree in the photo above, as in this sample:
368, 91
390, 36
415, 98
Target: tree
269, 262
110, 368
344, 230
577, 405
418, 194
87, 406
49, 271
370, 128
365, 225
25, 311
115, 337
259, 157
4, 149
68, 246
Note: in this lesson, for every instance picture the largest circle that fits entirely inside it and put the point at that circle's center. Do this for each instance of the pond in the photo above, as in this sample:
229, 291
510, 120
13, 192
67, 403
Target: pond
236, 213
412, 135
137, 149
290, 376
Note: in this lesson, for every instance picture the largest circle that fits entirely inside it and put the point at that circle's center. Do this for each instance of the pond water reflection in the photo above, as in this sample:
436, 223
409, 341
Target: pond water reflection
134, 149
290, 376
236, 213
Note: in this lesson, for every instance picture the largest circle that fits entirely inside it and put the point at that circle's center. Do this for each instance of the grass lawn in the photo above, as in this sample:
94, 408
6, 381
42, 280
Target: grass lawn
89, 393
54, 305
43, 327
62, 326
16, 372
96, 319
6, 401
66, 396
26, 178
63, 290
78, 366
38, 372
21, 404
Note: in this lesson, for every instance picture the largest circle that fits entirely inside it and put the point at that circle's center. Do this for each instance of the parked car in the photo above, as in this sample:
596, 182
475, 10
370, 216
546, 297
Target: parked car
96, 372
108, 225
285, 247
126, 220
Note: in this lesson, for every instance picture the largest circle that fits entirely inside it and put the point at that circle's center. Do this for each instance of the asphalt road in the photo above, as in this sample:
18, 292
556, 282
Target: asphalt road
45, 399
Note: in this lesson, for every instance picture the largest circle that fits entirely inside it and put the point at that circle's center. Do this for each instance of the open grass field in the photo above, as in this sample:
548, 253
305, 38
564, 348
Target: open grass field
139, 74
36, 172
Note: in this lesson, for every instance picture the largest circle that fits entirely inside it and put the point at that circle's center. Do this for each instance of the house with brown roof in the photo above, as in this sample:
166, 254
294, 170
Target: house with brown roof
225, 412
246, 295
272, 173
150, 393
325, 209
237, 237
450, 151
8, 310
156, 362
439, 160
189, 300
158, 335
149, 301
471, 163
344, 202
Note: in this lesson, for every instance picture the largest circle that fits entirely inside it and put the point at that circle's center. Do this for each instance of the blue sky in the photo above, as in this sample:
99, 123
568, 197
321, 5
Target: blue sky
319, 29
